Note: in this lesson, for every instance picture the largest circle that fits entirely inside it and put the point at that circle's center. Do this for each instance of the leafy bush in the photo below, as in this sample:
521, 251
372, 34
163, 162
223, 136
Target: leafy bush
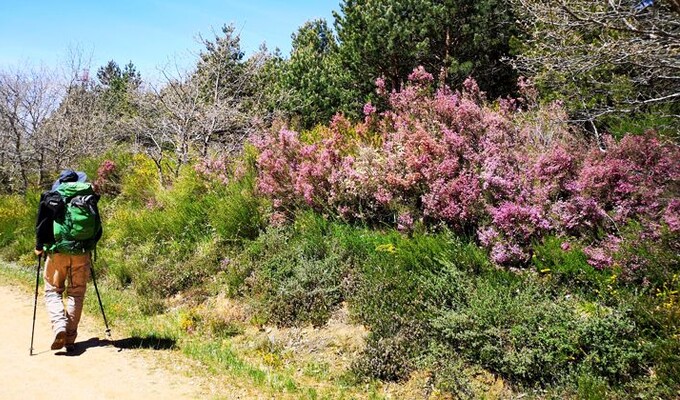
511, 173
140, 180
428, 297
565, 264
512, 326
294, 275
235, 212
14, 218
648, 259
17, 225
399, 287
163, 244
401, 281
387, 358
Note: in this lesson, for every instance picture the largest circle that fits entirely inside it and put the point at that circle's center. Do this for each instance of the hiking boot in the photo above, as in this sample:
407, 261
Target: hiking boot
59, 340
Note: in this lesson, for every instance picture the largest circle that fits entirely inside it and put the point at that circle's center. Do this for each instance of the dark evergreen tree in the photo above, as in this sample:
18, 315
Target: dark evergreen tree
118, 87
220, 68
452, 39
312, 78
108, 73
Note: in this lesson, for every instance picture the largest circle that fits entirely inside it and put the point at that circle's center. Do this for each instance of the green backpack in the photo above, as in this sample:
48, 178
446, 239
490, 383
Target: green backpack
77, 223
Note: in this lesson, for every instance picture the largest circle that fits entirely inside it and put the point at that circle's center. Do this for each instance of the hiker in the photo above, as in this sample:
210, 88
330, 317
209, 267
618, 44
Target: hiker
67, 229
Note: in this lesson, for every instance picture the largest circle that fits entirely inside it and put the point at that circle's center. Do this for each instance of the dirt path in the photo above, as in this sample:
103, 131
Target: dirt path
96, 370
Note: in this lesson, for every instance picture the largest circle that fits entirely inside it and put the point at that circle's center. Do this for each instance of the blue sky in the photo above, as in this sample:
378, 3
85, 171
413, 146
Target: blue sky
150, 33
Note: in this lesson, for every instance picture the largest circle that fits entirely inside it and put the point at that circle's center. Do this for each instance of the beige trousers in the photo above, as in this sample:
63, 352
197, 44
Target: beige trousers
60, 268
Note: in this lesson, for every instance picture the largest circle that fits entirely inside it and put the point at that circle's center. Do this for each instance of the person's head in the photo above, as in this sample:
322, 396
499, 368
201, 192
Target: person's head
69, 175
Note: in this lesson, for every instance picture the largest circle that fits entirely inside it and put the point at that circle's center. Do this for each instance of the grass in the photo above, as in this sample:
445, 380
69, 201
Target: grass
221, 358
18, 274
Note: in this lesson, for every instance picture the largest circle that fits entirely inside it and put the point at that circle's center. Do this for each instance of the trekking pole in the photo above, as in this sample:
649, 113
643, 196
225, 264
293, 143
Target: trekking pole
101, 306
35, 302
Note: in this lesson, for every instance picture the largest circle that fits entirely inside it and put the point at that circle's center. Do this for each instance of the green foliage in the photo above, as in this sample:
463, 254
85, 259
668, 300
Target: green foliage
236, 212
17, 225
652, 262
140, 180
118, 88
267, 83
165, 246
220, 69
388, 358
294, 274
160, 241
459, 38
312, 77
402, 284
14, 215
592, 388
426, 298
403, 281
328, 73
661, 120
567, 266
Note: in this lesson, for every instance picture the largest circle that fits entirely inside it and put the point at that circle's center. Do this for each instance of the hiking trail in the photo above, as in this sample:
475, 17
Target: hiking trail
97, 369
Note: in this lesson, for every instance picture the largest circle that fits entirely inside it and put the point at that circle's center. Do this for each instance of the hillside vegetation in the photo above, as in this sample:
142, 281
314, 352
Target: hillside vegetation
330, 226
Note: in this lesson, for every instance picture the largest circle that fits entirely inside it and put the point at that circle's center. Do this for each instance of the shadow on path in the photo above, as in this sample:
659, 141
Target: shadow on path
134, 342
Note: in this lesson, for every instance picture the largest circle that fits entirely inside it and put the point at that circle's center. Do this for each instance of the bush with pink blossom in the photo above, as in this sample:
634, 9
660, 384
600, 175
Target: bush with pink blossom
508, 173
108, 179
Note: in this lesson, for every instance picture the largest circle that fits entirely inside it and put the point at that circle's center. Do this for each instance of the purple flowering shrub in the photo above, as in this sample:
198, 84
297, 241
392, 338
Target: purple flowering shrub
509, 172
215, 169
107, 180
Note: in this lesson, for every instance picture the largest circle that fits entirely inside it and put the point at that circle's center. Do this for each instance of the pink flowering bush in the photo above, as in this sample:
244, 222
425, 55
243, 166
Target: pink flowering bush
108, 180
508, 173
215, 168
672, 215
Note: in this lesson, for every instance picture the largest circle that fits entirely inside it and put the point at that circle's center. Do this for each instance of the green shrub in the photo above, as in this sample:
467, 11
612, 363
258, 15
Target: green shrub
402, 279
17, 225
662, 121
235, 211
13, 217
431, 296
666, 356
401, 284
140, 180
387, 358
293, 274
612, 346
121, 271
592, 388
513, 328
567, 266
165, 245
157, 273
650, 261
